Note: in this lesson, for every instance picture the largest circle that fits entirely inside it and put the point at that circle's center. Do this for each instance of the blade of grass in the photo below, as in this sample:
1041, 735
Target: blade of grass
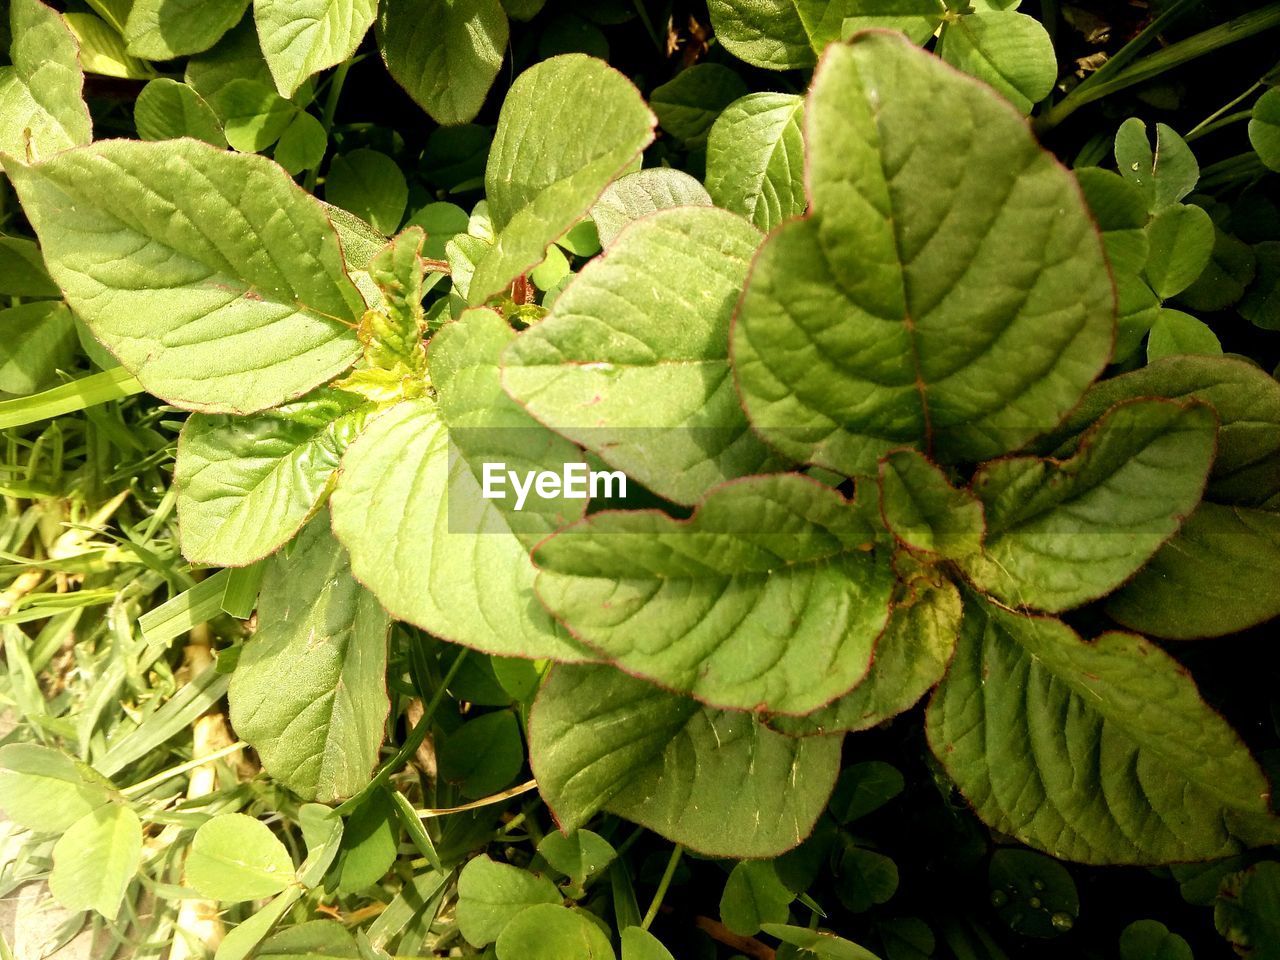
77, 395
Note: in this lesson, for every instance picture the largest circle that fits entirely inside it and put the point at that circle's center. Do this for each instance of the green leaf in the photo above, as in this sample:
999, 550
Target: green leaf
552, 932
102, 49
1216, 577
639, 944
167, 110
579, 855
1247, 911
1181, 239
246, 485
1098, 752
96, 859
322, 829
846, 343
1034, 893
864, 878
409, 503
1120, 208
490, 894
924, 511
42, 111
1264, 128
1151, 940
755, 158
234, 857
910, 657
44, 790
309, 692
821, 943
863, 789
1261, 304
165, 29
1166, 174
370, 185
445, 53
369, 842
776, 34
710, 780
242, 302
918, 19
1224, 281
313, 940
302, 37
1176, 333
483, 755
688, 104
770, 596
633, 360
568, 126
753, 896
36, 341
1063, 532
236, 56
641, 193
1008, 50
22, 270
254, 116
240, 942
302, 145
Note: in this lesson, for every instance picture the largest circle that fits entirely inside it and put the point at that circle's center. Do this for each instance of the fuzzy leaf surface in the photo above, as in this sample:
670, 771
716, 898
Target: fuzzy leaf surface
755, 158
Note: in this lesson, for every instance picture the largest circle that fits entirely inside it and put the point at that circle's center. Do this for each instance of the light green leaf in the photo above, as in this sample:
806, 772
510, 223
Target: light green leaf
240, 942
821, 943
490, 894
165, 29
96, 859
236, 56
552, 932
688, 104
242, 302
641, 193
36, 341
924, 511
778, 34
1063, 532
102, 49
369, 842
579, 855
633, 360
846, 342
1181, 239
1264, 128
770, 596
1099, 752
1008, 50
44, 790
42, 110
918, 19
234, 857
1165, 174
313, 940
445, 53
409, 503
322, 829
1219, 575
755, 158
309, 691
910, 657
1120, 208
370, 185
167, 110
246, 485
302, 37
718, 782
640, 944
1176, 333
753, 896
22, 270
568, 126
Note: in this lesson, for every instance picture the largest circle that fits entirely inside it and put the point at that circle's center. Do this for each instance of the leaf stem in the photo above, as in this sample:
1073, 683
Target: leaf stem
326, 119
140, 788
663, 884
411, 742
1207, 123
477, 804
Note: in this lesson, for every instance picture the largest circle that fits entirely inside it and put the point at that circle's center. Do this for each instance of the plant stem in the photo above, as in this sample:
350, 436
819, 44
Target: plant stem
411, 742
140, 788
326, 119
1192, 133
648, 25
1226, 121
1119, 72
663, 884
